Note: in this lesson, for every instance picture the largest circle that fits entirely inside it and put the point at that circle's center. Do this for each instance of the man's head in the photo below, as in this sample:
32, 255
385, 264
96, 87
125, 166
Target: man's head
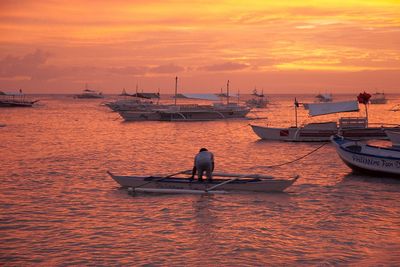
203, 149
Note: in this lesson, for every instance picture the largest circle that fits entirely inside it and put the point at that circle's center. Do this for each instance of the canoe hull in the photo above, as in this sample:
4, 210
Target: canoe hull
251, 185
368, 159
321, 132
314, 132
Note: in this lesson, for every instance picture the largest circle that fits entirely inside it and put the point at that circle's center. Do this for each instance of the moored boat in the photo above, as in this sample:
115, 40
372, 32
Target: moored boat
89, 94
15, 100
378, 98
369, 159
323, 98
235, 182
351, 127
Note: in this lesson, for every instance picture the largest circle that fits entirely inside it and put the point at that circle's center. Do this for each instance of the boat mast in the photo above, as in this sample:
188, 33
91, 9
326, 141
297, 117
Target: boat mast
227, 93
296, 104
176, 88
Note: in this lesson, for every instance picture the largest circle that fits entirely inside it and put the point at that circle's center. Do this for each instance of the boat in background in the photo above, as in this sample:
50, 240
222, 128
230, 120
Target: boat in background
189, 112
135, 102
364, 158
323, 98
351, 127
231, 182
394, 137
257, 101
15, 100
395, 108
89, 94
378, 98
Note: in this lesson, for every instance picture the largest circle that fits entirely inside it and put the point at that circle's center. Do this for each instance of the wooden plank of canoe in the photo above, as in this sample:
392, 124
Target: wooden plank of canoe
239, 175
177, 191
256, 176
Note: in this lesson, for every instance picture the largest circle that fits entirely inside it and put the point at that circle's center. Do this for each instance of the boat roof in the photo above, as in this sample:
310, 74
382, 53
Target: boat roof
316, 109
211, 97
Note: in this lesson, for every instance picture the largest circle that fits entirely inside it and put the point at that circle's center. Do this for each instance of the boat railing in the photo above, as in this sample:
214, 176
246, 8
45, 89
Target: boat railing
353, 122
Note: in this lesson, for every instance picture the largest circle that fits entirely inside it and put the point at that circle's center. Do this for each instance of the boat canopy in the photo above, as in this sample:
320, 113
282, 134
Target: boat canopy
211, 97
316, 109
147, 95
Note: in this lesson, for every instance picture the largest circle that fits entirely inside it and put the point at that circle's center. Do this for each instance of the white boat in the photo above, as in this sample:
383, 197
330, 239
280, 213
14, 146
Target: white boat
87, 93
235, 182
366, 158
312, 132
257, 101
378, 98
216, 111
135, 102
351, 127
394, 137
189, 112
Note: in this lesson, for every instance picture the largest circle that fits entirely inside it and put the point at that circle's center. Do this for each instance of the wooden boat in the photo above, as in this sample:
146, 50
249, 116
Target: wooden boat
366, 158
394, 137
236, 182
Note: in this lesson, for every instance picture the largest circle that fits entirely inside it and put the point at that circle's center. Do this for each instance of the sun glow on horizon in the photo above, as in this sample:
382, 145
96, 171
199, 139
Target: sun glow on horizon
116, 44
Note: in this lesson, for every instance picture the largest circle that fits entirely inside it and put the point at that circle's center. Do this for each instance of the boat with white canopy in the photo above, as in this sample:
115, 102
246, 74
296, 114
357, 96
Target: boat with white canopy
352, 127
257, 100
135, 102
189, 112
226, 182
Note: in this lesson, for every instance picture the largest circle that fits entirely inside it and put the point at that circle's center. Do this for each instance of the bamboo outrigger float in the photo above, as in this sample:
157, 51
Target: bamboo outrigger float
234, 183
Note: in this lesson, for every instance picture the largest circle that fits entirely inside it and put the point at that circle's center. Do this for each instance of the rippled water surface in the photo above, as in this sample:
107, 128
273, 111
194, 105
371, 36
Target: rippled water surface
59, 207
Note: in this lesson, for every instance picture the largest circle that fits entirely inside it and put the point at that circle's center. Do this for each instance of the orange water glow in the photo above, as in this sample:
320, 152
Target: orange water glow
280, 46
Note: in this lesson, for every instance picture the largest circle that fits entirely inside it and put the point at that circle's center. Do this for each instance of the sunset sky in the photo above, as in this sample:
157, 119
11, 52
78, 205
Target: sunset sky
283, 46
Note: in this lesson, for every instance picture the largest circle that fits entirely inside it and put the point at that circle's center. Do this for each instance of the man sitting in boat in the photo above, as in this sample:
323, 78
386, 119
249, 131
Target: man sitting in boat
203, 162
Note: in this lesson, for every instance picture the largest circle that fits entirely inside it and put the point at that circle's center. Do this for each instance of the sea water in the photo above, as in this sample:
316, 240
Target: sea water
58, 206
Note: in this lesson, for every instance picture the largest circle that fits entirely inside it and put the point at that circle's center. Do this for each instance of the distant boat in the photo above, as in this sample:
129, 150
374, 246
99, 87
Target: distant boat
134, 102
15, 100
323, 98
189, 112
89, 94
366, 158
378, 98
257, 101
351, 127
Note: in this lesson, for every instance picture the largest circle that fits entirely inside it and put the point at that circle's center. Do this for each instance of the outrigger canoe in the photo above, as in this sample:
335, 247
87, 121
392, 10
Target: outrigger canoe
232, 182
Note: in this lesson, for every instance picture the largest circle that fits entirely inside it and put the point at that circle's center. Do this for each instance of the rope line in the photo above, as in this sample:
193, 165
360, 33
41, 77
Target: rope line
289, 162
